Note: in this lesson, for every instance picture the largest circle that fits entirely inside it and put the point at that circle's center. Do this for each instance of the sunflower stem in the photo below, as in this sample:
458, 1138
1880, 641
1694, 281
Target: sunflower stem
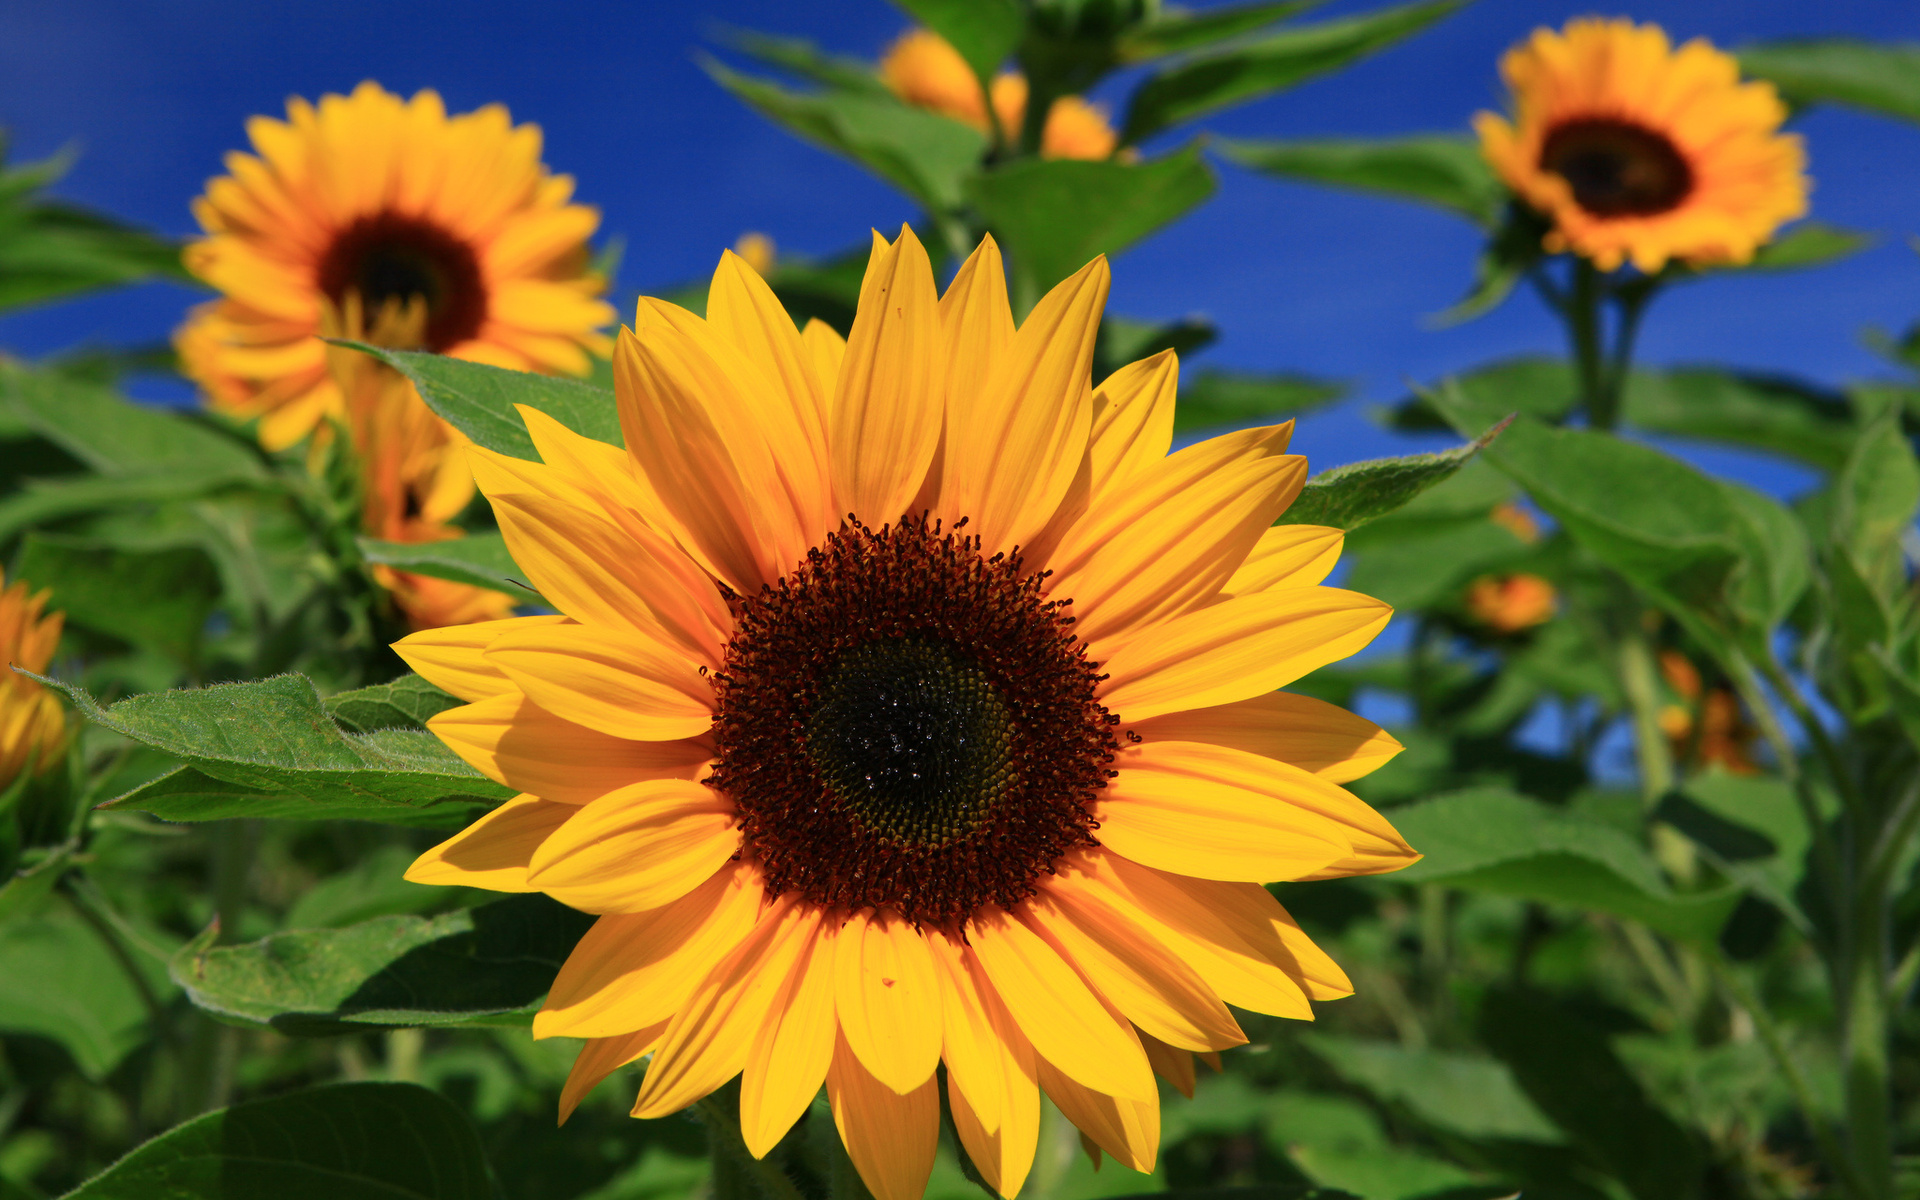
1589, 357
737, 1174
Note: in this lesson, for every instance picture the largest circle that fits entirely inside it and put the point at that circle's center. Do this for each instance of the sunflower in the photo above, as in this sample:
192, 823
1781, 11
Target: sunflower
907, 704
1641, 152
923, 69
366, 199
1511, 603
33, 727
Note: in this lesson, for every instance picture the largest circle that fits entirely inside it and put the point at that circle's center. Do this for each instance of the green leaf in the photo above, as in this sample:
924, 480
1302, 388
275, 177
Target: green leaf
1490, 840
985, 32
1875, 497
479, 400
1352, 495
1208, 83
922, 153
1444, 170
158, 599
1567, 1068
1514, 249
1419, 564
1879, 78
488, 965
274, 751
1216, 398
42, 501
805, 59
480, 559
1056, 215
1177, 31
342, 1141
1808, 244
50, 250
115, 436
1753, 828
375, 885
1122, 341
1464, 1094
59, 980
406, 703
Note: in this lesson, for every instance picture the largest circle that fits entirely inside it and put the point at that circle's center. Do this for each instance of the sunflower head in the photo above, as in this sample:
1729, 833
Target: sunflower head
908, 703
374, 203
1511, 603
33, 726
1643, 153
923, 69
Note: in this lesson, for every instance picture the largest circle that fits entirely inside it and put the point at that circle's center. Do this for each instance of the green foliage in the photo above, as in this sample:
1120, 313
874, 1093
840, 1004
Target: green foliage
269, 749
480, 400
406, 703
480, 559
1883, 79
63, 979
1350, 496
1217, 399
50, 250
347, 1141
159, 598
1443, 170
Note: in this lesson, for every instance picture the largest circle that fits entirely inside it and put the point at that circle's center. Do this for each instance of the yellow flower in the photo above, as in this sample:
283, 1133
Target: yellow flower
33, 726
907, 704
1512, 602
371, 199
923, 69
1643, 153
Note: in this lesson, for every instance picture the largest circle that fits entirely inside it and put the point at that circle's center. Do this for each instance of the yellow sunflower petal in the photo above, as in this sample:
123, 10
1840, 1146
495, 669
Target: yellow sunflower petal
1170, 1063
1002, 1153
1055, 1008
607, 679
601, 1057
743, 310
515, 741
977, 324
646, 845
1236, 649
634, 969
494, 851
1311, 734
1288, 556
890, 401
451, 658
1124, 1127
889, 999
825, 350
1133, 420
792, 1049
891, 1138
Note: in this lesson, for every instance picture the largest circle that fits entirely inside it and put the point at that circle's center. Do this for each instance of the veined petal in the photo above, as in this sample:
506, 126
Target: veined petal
617, 682
891, 1138
601, 1057
1126, 1128
643, 846
634, 969
743, 310
889, 999
825, 351
890, 401
494, 851
1055, 1008
1236, 649
452, 657
1011, 457
1288, 556
515, 741
1136, 974
1133, 420
976, 323
1170, 1063
1311, 734
792, 1049
709, 1039
1213, 820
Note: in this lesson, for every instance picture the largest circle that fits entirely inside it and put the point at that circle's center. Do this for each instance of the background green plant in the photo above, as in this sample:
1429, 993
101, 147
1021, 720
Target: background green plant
1660, 982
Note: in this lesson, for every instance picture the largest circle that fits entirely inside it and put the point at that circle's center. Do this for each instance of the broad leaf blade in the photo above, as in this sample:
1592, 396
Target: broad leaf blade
479, 400
488, 965
1350, 496
479, 559
158, 599
1217, 398
115, 436
406, 703
1180, 31
1443, 170
343, 1141
58, 980
1879, 78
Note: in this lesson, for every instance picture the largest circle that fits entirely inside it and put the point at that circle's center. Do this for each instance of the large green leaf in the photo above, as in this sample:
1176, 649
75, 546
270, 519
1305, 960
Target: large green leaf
1490, 840
985, 32
922, 153
42, 501
269, 749
1807, 244
115, 436
479, 400
1567, 1068
488, 965
1441, 169
806, 60
60, 980
158, 598
1878, 77
1178, 31
406, 703
1207, 83
1216, 398
1056, 215
480, 559
1461, 1093
50, 250
343, 1141
1352, 495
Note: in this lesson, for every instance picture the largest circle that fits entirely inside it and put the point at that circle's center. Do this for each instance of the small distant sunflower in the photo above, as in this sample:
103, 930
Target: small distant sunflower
1643, 153
923, 69
907, 704
372, 199
1511, 603
33, 726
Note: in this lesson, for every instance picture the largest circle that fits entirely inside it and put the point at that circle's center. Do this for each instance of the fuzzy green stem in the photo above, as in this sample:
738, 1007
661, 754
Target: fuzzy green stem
733, 1165
1582, 314
1638, 680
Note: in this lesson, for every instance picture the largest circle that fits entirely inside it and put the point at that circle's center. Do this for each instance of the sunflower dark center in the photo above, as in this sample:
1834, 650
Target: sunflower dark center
390, 257
905, 723
1616, 168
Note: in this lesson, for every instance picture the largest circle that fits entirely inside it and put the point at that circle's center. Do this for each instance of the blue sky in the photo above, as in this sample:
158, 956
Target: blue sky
1298, 278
